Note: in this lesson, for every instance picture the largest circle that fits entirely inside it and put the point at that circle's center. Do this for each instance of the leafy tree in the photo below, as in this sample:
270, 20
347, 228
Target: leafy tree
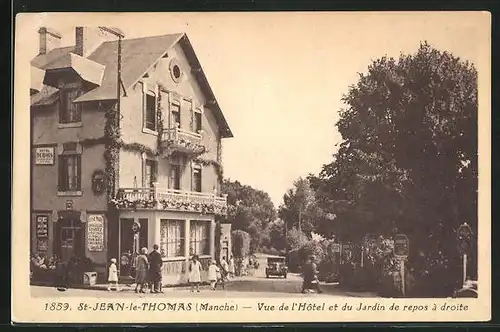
296, 239
241, 243
276, 233
249, 210
299, 208
408, 160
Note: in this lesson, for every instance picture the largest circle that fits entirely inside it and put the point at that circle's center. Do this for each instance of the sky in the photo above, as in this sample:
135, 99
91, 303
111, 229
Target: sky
279, 77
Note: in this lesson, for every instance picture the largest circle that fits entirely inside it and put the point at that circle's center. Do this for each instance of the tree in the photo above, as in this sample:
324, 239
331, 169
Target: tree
276, 233
296, 239
249, 210
241, 243
408, 160
299, 208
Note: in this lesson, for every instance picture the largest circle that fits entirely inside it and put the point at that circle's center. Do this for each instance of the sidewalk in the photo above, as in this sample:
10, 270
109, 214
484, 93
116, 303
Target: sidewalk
127, 287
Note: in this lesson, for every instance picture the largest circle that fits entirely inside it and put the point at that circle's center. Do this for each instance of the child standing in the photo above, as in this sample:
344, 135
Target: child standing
213, 270
113, 276
195, 273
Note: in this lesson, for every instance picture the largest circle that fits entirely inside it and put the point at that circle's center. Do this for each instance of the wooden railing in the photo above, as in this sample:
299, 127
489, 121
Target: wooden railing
171, 199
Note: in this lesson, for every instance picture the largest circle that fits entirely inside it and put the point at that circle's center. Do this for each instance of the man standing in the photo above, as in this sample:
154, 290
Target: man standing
155, 265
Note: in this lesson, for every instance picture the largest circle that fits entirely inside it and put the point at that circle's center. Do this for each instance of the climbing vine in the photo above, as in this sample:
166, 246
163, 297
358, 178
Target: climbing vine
210, 162
111, 150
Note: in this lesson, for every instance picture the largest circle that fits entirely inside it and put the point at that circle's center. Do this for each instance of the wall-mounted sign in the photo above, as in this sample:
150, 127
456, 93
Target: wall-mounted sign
44, 155
401, 245
42, 227
42, 244
95, 232
69, 204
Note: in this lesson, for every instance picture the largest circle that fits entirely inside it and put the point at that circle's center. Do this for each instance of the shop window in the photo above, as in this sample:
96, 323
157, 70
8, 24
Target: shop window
199, 238
171, 238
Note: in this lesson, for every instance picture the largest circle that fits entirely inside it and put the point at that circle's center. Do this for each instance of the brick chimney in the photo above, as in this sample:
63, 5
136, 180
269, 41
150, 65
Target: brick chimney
88, 39
49, 40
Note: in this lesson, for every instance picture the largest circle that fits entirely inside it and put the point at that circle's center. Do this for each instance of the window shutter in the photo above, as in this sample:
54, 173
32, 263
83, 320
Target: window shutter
79, 172
61, 177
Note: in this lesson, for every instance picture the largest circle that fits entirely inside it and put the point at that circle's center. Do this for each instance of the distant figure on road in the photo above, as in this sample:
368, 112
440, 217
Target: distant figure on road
310, 274
195, 273
231, 267
141, 271
155, 264
225, 268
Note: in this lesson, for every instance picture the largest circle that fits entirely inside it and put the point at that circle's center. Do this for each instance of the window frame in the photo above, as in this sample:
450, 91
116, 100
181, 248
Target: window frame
63, 174
194, 243
65, 101
197, 169
154, 171
146, 112
177, 242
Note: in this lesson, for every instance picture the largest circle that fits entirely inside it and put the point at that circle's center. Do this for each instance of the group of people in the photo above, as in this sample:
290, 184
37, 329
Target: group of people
148, 272
217, 274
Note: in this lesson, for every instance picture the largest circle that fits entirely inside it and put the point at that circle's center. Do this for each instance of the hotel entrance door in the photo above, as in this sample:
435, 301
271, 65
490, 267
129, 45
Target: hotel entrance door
70, 238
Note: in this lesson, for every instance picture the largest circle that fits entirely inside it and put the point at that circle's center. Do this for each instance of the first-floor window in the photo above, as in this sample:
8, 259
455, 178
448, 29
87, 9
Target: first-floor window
171, 238
69, 172
199, 238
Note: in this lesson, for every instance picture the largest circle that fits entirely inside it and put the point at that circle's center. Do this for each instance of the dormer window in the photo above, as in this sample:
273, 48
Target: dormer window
69, 112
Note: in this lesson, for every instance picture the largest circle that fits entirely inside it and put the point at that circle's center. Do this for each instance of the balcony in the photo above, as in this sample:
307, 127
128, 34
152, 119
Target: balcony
179, 140
170, 200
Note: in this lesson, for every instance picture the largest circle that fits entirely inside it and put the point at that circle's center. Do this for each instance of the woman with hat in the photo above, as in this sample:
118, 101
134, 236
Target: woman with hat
141, 271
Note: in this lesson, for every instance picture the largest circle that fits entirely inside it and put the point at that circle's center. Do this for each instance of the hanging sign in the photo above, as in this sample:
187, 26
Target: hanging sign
136, 227
95, 232
401, 245
335, 248
98, 182
464, 236
464, 232
42, 227
44, 155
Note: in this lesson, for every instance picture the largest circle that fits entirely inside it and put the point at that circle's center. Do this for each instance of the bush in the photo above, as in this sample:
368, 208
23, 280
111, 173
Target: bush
312, 248
293, 261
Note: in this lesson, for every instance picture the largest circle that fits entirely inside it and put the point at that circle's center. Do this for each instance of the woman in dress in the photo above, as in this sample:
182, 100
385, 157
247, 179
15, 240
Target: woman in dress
195, 273
141, 271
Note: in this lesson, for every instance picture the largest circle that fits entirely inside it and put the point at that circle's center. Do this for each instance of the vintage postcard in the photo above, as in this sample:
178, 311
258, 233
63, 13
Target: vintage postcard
251, 167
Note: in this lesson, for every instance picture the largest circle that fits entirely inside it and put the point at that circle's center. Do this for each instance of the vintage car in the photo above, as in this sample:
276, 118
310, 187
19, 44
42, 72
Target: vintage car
276, 266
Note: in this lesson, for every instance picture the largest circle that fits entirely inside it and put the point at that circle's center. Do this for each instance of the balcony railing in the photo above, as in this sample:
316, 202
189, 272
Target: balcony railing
176, 139
170, 200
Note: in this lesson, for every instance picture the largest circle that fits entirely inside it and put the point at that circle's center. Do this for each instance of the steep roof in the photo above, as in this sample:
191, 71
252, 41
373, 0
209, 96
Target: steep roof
138, 55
